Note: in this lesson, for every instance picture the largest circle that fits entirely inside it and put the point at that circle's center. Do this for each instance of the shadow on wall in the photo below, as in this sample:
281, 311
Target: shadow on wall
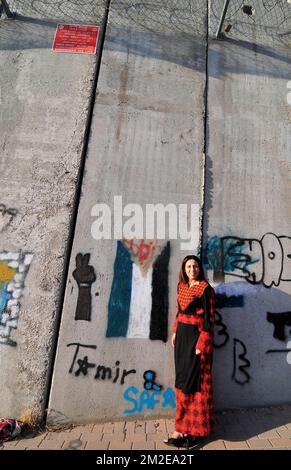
253, 345
187, 51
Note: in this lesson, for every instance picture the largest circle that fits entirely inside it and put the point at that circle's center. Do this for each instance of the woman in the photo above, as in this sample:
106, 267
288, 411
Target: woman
193, 346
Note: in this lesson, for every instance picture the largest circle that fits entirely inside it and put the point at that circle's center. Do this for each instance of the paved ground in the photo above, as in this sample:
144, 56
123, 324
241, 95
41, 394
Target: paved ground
248, 429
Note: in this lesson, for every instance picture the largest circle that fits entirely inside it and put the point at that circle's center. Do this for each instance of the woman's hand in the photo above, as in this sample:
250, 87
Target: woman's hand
198, 351
173, 339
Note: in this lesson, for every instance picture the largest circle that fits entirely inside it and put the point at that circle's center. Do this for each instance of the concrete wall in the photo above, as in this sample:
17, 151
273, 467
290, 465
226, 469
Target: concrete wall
158, 107
246, 231
146, 145
43, 103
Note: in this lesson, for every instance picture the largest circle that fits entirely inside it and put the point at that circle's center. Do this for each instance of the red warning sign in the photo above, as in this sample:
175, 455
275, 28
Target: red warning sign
76, 39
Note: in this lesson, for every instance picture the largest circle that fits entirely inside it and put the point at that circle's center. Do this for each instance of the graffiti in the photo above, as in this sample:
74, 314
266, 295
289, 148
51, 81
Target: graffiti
279, 320
287, 350
221, 332
13, 270
226, 301
84, 365
84, 275
6, 216
280, 350
150, 384
138, 303
145, 400
142, 252
102, 372
223, 300
266, 261
239, 354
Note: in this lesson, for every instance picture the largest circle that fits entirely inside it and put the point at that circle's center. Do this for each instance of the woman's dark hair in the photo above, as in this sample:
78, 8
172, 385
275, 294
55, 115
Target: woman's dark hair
182, 274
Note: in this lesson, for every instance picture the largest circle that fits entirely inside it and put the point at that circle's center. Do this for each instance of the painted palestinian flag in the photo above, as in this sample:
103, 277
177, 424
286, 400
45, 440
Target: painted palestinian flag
138, 303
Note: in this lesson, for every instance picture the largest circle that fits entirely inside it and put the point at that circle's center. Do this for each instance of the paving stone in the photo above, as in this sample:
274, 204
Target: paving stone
282, 443
240, 431
214, 445
119, 427
130, 427
74, 444
236, 445
151, 427
233, 433
150, 445
98, 428
32, 442
108, 428
257, 444
10, 444
161, 426
170, 426
154, 436
229, 418
72, 433
139, 427
136, 438
268, 435
284, 432
120, 445
51, 443
112, 436
160, 445
86, 436
97, 445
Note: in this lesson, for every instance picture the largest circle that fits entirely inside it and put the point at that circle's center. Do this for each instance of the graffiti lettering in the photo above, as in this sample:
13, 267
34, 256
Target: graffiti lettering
84, 365
239, 369
222, 332
150, 378
148, 401
279, 320
266, 261
102, 372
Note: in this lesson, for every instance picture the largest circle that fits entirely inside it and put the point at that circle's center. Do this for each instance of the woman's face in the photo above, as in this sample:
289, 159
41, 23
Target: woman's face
192, 269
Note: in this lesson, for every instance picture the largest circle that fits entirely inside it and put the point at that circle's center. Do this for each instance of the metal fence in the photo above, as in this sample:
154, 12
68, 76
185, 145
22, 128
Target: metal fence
81, 11
271, 18
187, 16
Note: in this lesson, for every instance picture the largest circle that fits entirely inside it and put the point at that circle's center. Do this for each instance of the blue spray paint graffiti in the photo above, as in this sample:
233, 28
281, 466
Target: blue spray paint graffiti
266, 261
4, 297
145, 400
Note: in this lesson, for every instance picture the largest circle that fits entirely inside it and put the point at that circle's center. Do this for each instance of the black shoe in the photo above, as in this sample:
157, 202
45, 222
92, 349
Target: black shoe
176, 442
191, 441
